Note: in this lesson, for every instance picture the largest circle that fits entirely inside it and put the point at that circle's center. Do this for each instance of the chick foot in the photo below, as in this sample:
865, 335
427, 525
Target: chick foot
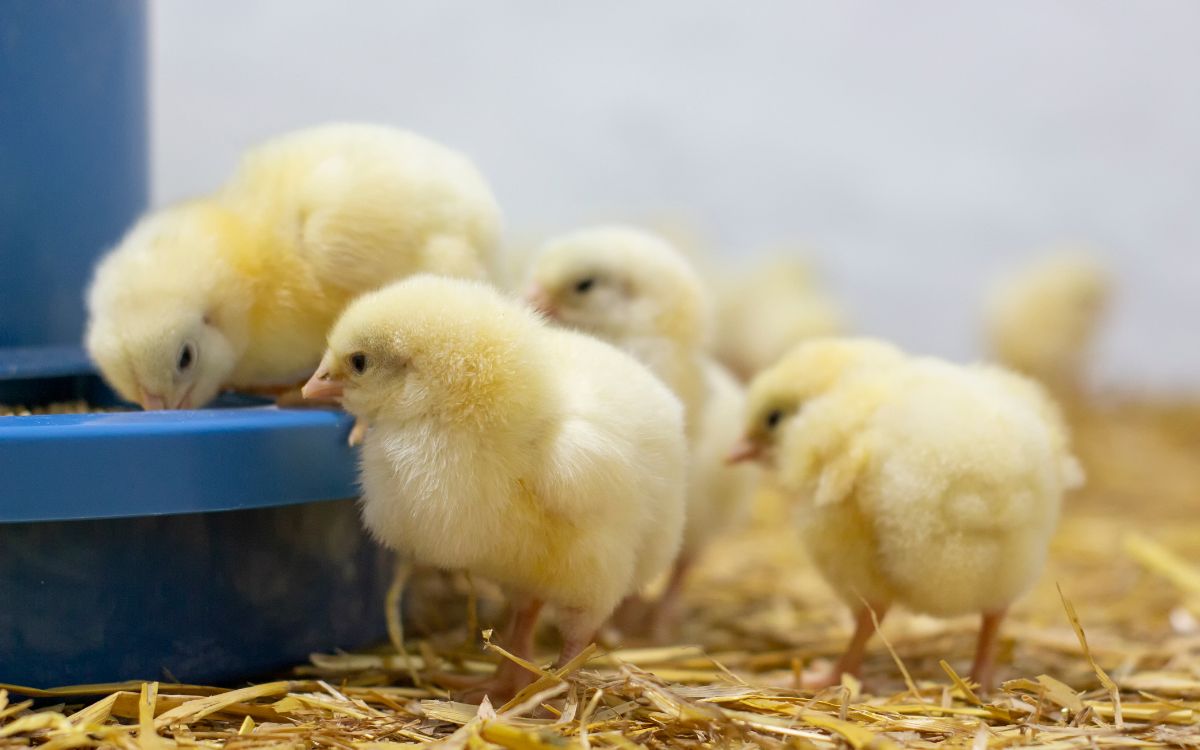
508, 680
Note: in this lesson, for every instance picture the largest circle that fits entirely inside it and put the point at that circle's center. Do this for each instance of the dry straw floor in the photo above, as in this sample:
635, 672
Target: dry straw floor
1105, 652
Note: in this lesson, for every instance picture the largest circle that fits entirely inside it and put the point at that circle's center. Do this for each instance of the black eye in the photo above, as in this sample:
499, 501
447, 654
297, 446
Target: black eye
358, 361
584, 286
774, 418
187, 355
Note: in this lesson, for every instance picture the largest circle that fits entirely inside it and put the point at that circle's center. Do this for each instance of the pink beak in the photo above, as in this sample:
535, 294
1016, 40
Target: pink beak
152, 402
536, 297
745, 450
322, 384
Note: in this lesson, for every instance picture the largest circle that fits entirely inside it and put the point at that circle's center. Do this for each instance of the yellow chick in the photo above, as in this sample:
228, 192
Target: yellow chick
921, 483
634, 290
1042, 321
238, 289
763, 314
544, 460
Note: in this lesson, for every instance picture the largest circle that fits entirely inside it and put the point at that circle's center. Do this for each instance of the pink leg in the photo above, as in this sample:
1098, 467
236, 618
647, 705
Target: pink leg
665, 616
578, 629
985, 650
852, 658
509, 677
631, 614
864, 628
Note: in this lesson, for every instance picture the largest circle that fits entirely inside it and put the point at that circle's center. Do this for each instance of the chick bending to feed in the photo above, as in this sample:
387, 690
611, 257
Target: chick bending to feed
238, 289
921, 483
544, 460
636, 291
1043, 320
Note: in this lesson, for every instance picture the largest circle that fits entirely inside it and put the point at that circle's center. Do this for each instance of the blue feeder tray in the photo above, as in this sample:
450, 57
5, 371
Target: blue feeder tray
200, 546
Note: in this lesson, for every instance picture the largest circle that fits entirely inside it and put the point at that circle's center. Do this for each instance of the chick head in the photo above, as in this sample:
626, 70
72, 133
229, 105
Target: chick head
157, 318
809, 370
1081, 285
619, 282
432, 347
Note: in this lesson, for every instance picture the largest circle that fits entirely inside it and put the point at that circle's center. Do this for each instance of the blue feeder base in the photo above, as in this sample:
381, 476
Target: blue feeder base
206, 598
206, 546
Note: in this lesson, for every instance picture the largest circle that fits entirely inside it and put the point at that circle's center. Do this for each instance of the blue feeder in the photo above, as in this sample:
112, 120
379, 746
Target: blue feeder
199, 546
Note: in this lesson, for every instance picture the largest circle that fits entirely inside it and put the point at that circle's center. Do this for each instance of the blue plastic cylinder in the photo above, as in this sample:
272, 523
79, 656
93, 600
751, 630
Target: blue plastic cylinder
73, 143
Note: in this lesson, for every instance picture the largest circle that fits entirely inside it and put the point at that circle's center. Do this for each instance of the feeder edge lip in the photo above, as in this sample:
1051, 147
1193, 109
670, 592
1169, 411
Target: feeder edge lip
134, 464
249, 454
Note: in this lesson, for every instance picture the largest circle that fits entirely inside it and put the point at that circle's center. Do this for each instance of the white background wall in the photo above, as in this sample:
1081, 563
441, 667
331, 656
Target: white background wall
920, 147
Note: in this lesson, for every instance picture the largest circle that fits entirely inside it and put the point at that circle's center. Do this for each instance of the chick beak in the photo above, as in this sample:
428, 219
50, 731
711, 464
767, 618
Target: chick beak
152, 402
537, 298
747, 449
323, 384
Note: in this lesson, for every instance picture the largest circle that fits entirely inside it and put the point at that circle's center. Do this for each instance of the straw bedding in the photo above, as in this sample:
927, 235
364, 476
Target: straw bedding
1105, 652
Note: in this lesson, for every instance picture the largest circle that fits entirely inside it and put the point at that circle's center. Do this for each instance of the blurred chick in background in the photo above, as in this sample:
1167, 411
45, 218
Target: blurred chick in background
238, 289
542, 459
1043, 320
761, 315
636, 291
921, 483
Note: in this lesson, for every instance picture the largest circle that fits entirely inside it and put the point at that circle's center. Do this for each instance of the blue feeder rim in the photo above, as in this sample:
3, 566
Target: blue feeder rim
114, 465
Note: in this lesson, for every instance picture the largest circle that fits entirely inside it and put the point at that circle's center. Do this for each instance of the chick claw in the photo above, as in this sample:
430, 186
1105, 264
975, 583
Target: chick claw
358, 433
294, 399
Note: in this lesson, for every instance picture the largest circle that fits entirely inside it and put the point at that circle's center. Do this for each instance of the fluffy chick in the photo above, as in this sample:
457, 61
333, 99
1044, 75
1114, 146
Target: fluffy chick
542, 459
763, 314
634, 290
1043, 320
238, 289
921, 483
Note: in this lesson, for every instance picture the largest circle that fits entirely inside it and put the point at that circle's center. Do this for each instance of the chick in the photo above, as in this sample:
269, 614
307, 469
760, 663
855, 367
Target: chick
238, 289
763, 314
1043, 321
922, 483
542, 459
634, 290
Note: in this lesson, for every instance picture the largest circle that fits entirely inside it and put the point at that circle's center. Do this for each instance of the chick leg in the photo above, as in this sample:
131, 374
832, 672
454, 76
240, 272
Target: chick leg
666, 613
578, 628
985, 649
510, 677
852, 658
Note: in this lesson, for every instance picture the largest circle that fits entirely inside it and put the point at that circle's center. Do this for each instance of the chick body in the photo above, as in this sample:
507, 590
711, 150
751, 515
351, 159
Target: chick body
582, 507
539, 458
634, 290
932, 486
920, 483
253, 275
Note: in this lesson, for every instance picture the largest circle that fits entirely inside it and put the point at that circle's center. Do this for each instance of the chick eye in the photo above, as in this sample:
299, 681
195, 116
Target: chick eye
583, 286
774, 418
187, 356
358, 361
